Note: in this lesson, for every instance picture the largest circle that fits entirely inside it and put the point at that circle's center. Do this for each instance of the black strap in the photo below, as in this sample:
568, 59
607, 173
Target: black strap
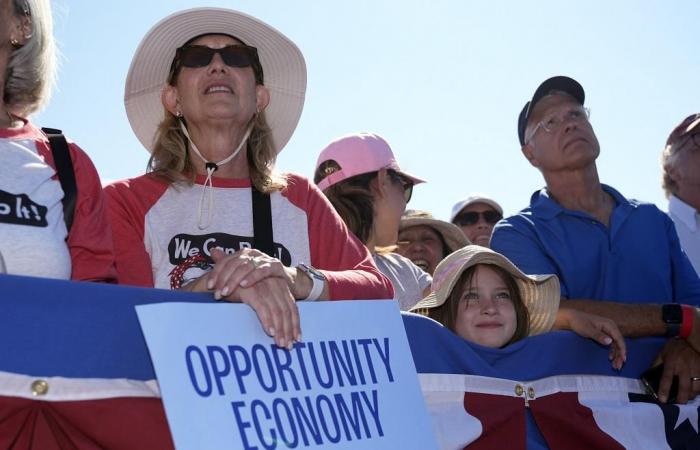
262, 223
64, 169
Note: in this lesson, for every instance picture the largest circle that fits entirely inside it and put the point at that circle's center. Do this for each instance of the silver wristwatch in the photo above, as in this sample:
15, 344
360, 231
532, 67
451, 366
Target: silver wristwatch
317, 278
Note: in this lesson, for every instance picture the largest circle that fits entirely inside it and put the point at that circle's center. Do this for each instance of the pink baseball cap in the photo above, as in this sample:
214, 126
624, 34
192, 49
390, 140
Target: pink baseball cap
356, 154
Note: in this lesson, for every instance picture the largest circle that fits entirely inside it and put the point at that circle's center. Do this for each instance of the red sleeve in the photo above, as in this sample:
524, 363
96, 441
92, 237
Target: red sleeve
128, 202
90, 237
343, 259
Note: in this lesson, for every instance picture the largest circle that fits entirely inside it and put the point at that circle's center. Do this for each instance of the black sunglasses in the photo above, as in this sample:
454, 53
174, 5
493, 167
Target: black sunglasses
472, 217
194, 56
405, 182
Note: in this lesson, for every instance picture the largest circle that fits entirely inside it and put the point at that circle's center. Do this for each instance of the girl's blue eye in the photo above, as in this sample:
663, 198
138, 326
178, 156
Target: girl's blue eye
470, 297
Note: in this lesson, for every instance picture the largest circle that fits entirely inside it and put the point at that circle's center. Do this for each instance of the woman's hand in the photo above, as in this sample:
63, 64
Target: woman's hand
600, 329
244, 269
276, 308
254, 278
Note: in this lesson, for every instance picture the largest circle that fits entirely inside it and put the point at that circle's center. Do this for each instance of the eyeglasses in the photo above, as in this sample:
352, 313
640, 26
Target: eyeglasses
472, 217
554, 121
405, 182
195, 56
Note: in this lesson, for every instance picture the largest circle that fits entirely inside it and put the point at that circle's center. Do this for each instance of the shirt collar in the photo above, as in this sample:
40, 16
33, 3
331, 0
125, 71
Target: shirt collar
547, 208
683, 211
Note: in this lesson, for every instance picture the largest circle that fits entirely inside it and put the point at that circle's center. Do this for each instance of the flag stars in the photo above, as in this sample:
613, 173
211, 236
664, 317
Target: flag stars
690, 413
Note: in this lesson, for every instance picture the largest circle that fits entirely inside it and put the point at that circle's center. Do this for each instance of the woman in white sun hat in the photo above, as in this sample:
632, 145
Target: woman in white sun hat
481, 296
214, 95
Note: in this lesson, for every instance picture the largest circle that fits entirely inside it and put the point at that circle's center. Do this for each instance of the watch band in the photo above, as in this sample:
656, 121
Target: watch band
672, 315
317, 278
687, 322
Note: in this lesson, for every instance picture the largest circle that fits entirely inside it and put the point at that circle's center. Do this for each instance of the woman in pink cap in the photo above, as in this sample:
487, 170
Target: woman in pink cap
362, 179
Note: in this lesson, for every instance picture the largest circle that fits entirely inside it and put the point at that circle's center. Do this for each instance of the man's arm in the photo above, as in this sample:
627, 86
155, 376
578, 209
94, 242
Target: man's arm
634, 320
637, 320
680, 357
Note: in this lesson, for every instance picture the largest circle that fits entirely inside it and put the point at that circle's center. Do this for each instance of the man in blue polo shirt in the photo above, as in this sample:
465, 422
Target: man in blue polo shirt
615, 257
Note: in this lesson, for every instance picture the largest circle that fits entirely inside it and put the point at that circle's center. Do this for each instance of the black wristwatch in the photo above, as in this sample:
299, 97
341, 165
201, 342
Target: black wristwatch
672, 315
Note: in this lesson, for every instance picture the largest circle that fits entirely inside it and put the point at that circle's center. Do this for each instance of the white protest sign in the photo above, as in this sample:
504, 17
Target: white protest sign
350, 384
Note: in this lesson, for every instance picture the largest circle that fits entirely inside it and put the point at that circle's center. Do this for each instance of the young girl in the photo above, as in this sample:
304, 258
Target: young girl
481, 296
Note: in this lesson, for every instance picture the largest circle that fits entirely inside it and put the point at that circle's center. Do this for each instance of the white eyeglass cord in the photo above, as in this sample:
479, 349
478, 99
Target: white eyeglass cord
211, 168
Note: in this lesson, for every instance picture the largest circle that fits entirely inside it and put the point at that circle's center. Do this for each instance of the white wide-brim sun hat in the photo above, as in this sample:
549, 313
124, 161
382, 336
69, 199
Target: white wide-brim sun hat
540, 293
283, 66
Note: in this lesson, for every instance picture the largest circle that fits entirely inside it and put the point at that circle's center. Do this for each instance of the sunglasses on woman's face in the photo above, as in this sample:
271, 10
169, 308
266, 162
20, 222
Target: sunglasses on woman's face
405, 183
472, 217
194, 56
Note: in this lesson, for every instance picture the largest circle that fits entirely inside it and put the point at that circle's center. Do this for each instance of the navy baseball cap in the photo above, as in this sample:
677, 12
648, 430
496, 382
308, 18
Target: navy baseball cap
558, 83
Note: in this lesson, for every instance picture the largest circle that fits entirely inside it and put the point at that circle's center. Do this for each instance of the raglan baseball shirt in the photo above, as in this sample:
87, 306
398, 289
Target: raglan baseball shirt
159, 242
33, 236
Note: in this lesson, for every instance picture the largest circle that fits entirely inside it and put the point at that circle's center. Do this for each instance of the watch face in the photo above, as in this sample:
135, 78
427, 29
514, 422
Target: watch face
312, 272
672, 313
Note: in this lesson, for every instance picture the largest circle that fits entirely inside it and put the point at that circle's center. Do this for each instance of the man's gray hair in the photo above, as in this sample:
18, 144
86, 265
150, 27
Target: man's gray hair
669, 159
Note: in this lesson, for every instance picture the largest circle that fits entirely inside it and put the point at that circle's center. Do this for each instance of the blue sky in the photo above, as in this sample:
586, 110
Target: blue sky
442, 81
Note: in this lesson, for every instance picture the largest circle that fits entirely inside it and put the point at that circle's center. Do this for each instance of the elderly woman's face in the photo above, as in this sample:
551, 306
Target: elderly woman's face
422, 245
216, 91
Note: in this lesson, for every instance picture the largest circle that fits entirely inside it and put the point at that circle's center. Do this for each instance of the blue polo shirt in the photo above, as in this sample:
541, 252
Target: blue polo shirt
638, 259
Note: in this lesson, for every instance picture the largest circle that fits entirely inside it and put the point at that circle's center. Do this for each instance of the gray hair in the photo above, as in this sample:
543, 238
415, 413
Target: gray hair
669, 159
31, 69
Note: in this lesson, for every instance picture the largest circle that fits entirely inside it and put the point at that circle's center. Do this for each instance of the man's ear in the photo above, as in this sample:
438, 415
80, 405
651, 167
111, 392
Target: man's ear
675, 174
529, 152
262, 97
168, 96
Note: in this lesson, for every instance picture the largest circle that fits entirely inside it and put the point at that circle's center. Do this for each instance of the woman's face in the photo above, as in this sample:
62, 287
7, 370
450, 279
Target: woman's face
216, 92
422, 245
485, 313
477, 221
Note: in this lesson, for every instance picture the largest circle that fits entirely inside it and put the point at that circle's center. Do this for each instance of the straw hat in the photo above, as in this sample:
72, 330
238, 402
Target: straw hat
453, 236
282, 62
540, 293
